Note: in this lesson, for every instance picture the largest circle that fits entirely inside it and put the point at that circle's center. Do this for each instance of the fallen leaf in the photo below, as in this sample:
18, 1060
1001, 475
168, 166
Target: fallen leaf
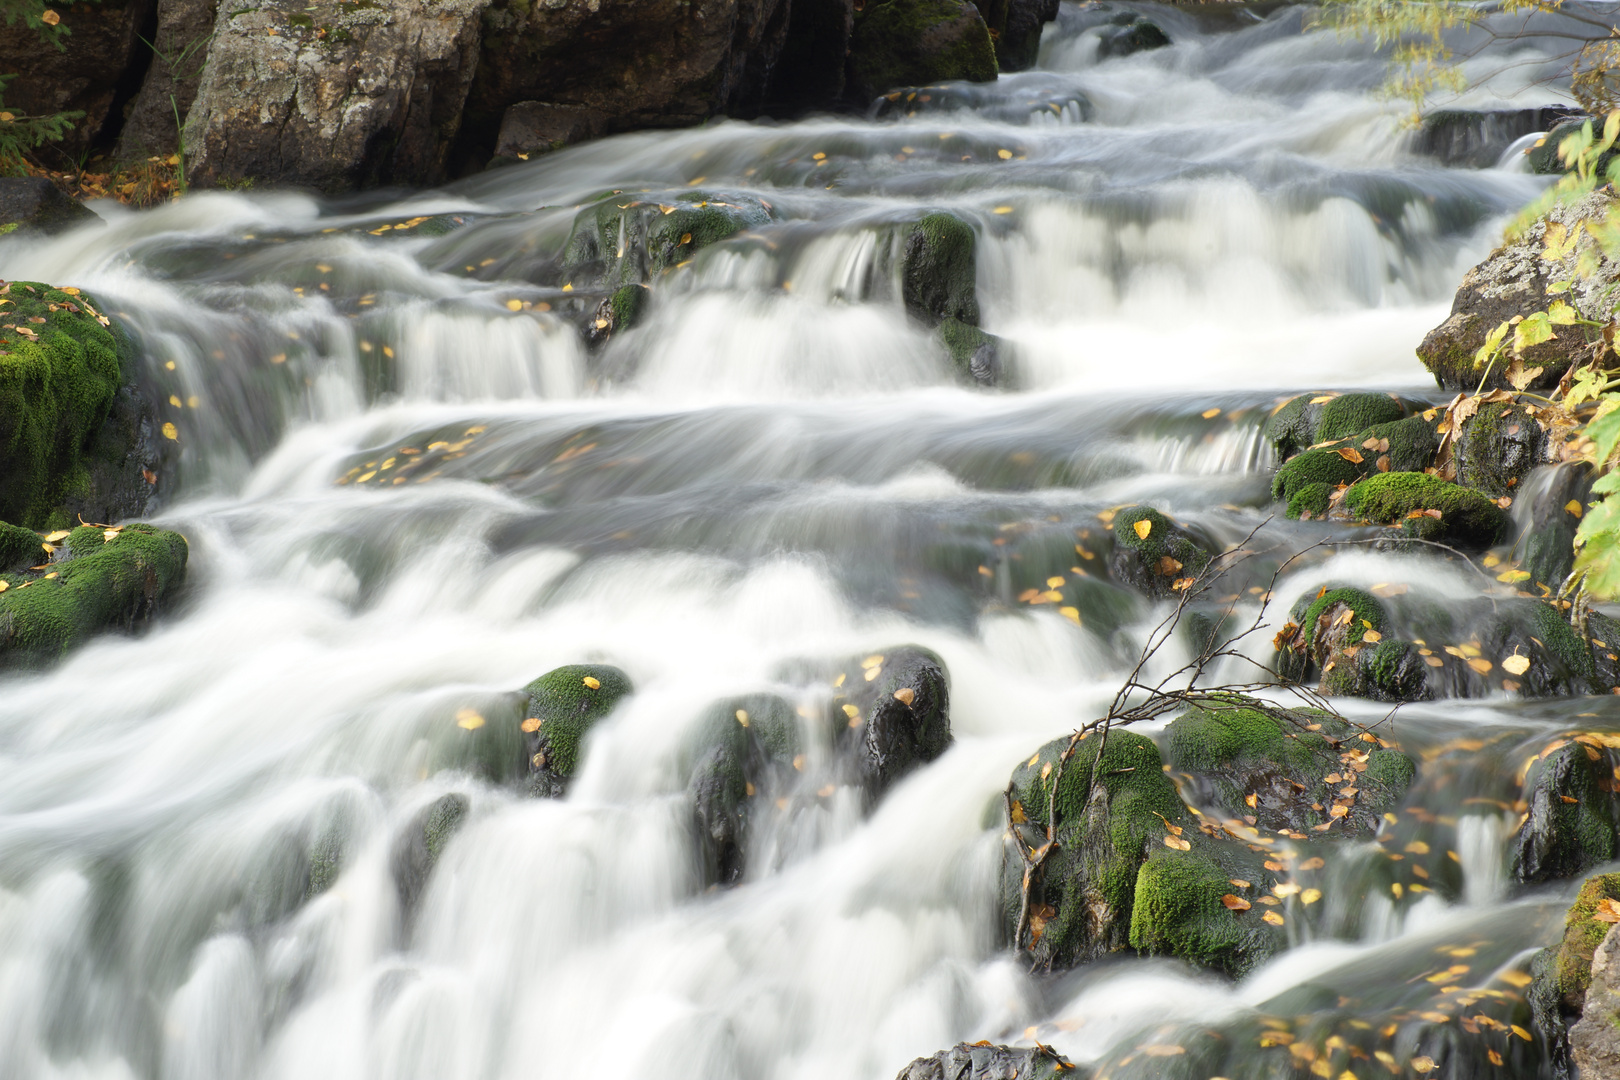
1310, 896
59, 534
1372, 636
1273, 918
1143, 527
1350, 454
905, 696
532, 724
1210, 414
1517, 664
591, 682
1177, 843
1235, 903
742, 717
1481, 665
1607, 911
1574, 507
468, 719
1423, 1064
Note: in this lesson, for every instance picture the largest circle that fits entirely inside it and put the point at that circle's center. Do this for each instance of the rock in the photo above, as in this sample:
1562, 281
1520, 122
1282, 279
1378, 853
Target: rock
892, 714
1151, 552
622, 240
564, 704
633, 63
92, 584
981, 1061
939, 270
1308, 419
975, 354
1594, 1041
809, 71
1513, 281
75, 431
344, 95
1546, 550
1129, 33
1235, 752
1401, 446
1447, 513
185, 29
916, 43
34, 204
419, 845
1498, 446
531, 128
1564, 974
616, 313
1573, 813
1476, 138
1544, 156
1391, 670
1131, 866
1015, 28
1344, 634
744, 752
102, 50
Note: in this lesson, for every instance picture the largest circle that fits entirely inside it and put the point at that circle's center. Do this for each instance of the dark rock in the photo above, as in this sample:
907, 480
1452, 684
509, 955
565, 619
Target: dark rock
1573, 813
1498, 446
616, 313
1445, 512
344, 95
1403, 446
1308, 419
1563, 975
970, 1061
564, 704
419, 845
1153, 558
1513, 281
1015, 27
975, 354
894, 715
1391, 670
745, 752
1476, 138
939, 270
1127, 34
185, 29
1546, 550
1345, 635
531, 128
916, 43
97, 70
1235, 752
1544, 156
34, 204
809, 71
621, 241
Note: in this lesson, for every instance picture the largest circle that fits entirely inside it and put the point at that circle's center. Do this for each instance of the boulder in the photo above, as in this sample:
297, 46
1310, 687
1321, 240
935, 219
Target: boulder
1428, 508
983, 1061
622, 239
1129, 33
1152, 553
1015, 27
179, 53
531, 128
1476, 138
1564, 975
916, 43
34, 204
99, 580
417, 848
891, 712
974, 354
1407, 445
344, 95
1546, 550
1344, 634
1513, 281
616, 313
1301, 422
564, 704
1498, 446
1573, 813
1594, 1041
809, 71
1544, 156
742, 755
939, 270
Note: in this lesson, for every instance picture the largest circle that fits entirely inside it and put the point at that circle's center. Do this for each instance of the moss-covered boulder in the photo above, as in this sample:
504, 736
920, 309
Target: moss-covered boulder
1428, 508
564, 704
1152, 554
1594, 1041
974, 354
1407, 445
1300, 769
1546, 549
1131, 866
1497, 447
417, 848
917, 42
891, 714
1563, 975
98, 580
1343, 635
1128, 33
742, 754
1573, 812
1304, 421
618, 311
1389, 670
625, 239
983, 1061
939, 270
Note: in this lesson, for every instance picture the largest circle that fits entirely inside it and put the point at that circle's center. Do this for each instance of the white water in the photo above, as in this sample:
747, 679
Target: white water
1214, 235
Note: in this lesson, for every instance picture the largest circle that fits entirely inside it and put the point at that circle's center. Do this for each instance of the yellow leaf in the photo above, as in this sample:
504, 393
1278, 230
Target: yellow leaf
1350, 454
49, 17
1210, 414
1177, 843
1481, 665
905, 696
1310, 896
514, 305
1517, 664
1143, 527
1072, 614
1273, 918
59, 534
1574, 507
742, 717
853, 713
532, 724
171, 432
1004, 155
1235, 903
591, 682
1053, 582
1423, 1064
466, 718
1372, 636
4, 585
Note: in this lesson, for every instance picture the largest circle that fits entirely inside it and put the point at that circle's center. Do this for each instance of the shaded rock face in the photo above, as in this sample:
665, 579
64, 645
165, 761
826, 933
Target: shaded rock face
416, 850
1497, 448
1130, 33
898, 714
1567, 981
96, 73
744, 753
1547, 547
809, 71
918, 42
1015, 27
1152, 553
1594, 1042
1571, 824
344, 95
185, 29
537, 127
1476, 138
34, 204
982, 1061
1512, 281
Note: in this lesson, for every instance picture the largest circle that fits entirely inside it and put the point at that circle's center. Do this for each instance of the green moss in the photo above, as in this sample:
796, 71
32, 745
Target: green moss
1498, 447
623, 239
1140, 561
628, 302
1411, 447
1368, 614
974, 354
742, 750
1178, 912
1571, 823
1313, 468
1303, 421
19, 547
444, 818
1311, 500
55, 391
1583, 933
939, 270
567, 706
914, 43
1467, 518
1392, 670
124, 581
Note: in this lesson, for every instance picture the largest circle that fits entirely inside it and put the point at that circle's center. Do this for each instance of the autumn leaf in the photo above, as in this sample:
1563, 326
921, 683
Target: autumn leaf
1235, 903
1607, 911
468, 720
1350, 454
531, 725
1273, 918
1143, 527
1517, 664
1177, 843
591, 682
905, 696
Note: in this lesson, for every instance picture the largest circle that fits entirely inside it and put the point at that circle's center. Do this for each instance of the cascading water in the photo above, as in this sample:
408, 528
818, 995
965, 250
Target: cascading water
774, 465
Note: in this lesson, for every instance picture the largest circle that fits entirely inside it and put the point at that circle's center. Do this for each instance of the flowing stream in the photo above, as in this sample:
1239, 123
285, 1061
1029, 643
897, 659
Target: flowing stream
774, 465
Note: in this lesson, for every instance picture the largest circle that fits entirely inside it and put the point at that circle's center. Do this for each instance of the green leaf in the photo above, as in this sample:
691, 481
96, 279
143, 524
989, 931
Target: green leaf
1558, 288
1533, 330
1561, 314
1587, 386
1605, 432
1607, 484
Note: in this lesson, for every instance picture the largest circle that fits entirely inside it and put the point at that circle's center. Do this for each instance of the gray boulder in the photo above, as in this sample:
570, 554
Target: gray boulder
1594, 1041
185, 29
984, 1061
34, 204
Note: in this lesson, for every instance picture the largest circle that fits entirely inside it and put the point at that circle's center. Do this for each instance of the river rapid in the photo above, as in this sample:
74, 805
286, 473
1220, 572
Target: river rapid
774, 465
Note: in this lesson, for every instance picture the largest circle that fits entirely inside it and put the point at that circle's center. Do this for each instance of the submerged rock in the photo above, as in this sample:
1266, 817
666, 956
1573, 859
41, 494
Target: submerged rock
629, 239
743, 753
1152, 553
974, 354
34, 204
892, 713
616, 313
417, 848
917, 42
1428, 508
983, 1061
564, 704
1129, 33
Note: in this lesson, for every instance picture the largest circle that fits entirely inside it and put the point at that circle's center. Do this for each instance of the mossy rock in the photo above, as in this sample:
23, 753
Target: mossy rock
627, 239
1546, 548
918, 42
1344, 633
1573, 814
891, 714
61, 365
939, 270
1391, 670
974, 354
1407, 445
1311, 501
419, 846
1129, 33
1015, 29
1571, 972
1235, 750
1467, 519
122, 583
564, 704
618, 311
1308, 419
1498, 447
983, 1061
1152, 559
743, 753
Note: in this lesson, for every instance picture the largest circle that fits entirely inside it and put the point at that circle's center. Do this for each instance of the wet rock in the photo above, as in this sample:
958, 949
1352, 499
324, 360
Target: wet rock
975, 354
344, 95
1573, 812
1391, 670
1563, 975
1547, 548
939, 270
1407, 445
892, 713
1287, 774
1151, 552
624, 240
1428, 508
564, 704
975, 1061
1308, 419
1497, 447
1513, 281
744, 753
915, 43
1131, 866
809, 71
1129, 33
34, 204
1015, 28
185, 29
1544, 156
419, 845
1344, 634
1595, 1040
1476, 138
99, 580
531, 128
76, 433
617, 313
